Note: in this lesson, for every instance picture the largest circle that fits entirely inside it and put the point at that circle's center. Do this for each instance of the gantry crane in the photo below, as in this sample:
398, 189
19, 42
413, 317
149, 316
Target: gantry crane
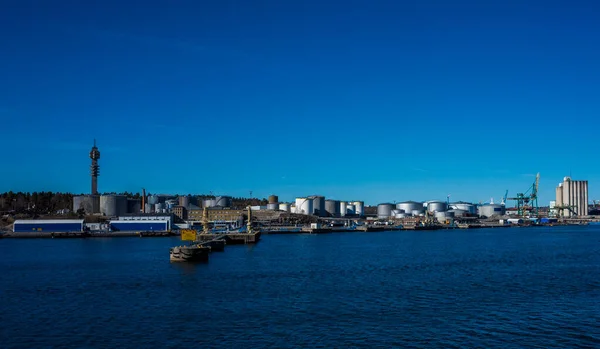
527, 203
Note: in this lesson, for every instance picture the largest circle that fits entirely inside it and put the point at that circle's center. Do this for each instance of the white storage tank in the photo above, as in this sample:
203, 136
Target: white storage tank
209, 203
491, 210
410, 206
285, 207
343, 208
318, 205
304, 206
384, 210
458, 213
273, 207
436, 206
332, 207
113, 205
442, 216
223, 201
398, 213
350, 209
465, 206
359, 208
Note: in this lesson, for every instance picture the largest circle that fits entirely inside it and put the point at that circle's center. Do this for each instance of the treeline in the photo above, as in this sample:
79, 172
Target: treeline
36, 202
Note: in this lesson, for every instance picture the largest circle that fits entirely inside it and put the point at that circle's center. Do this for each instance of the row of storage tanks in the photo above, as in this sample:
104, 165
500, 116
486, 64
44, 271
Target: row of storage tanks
187, 201
318, 206
440, 209
108, 205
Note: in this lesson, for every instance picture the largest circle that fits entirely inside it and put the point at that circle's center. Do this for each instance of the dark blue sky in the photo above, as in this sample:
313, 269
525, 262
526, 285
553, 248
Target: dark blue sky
372, 100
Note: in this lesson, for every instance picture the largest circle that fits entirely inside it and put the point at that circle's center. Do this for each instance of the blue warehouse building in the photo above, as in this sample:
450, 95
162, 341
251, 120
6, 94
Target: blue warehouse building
48, 226
130, 225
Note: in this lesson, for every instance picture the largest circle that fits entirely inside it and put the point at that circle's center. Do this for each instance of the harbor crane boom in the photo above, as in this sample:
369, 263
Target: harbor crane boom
527, 202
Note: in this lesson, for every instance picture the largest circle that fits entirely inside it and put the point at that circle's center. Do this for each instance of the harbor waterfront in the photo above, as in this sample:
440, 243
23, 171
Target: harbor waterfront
488, 288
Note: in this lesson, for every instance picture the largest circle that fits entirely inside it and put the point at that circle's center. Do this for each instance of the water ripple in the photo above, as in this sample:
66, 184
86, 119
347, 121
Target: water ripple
516, 288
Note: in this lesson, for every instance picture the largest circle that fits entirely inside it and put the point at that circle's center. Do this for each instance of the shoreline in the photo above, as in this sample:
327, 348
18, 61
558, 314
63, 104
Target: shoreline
80, 235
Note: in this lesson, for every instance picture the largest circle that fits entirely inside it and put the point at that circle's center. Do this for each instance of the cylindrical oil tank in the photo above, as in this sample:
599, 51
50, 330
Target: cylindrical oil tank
410, 206
113, 205
384, 210
360, 208
223, 201
184, 201
458, 213
148, 208
273, 206
332, 207
304, 206
416, 213
134, 206
89, 203
465, 206
491, 210
273, 199
209, 203
153, 199
398, 213
159, 207
442, 216
285, 207
437, 206
350, 209
319, 206
343, 205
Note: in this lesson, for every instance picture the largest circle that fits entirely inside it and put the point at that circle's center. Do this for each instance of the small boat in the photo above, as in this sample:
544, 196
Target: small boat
190, 253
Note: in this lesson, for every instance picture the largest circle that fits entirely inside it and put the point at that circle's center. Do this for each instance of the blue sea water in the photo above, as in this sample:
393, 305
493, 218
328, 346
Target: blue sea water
484, 288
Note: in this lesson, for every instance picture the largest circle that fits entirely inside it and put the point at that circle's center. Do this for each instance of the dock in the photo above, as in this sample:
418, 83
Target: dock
231, 238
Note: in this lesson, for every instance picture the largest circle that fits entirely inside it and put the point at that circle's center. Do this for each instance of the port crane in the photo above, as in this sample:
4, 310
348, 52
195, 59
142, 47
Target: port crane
527, 202
503, 202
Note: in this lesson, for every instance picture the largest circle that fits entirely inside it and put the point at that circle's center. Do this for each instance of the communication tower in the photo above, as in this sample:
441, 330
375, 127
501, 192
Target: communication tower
95, 168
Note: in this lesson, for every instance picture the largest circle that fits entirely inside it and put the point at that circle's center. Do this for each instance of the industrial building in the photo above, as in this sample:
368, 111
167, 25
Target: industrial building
572, 198
216, 215
180, 211
142, 222
139, 225
48, 226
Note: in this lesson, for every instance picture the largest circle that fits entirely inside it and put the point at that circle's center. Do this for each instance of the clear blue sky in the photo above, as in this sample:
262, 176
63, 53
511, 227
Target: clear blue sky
371, 100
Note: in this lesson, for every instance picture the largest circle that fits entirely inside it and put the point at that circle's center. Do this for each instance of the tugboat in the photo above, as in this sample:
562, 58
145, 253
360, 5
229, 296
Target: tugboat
190, 253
